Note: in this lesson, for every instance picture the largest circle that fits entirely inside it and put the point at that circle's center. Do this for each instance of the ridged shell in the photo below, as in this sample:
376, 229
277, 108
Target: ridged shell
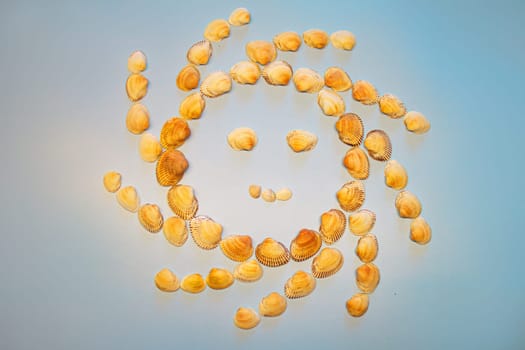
254, 191
361, 222
237, 247
167, 281
174, 132
200, 52
350, 129
149, 147
316, 38
128, 198
216, 84
391, 106
356, 162
248, 271
183, 202
416, 122
150, 217
219, 278
192, 106
307, 80
357, 305
283, 194
137, 119
408, 205
239, 17
301, 140
367, 277
171, 167
367, 247
193, 283
327, 263
246, 318
245, 72
278, 73
331, 103
305, 245
242, 139
343, 39
395, 175
205, 232
272, 305
136, 86
351, 196
364, 92
420, 231
332, 227
299, 285
272, 253
378, 145
260, 51
188, 78
288, 41
217, 30
175, 231
337, 79
268, 195
137, 62
112, 181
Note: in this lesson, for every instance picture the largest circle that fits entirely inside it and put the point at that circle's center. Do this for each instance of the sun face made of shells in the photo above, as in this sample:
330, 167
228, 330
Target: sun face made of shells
207, 234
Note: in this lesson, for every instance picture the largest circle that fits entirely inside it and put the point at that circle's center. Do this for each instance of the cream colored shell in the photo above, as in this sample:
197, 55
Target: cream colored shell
216, 84
395, 175
245, 72
283, 194
361, 222
416, 122
242, 139
137, 118
128, 198
200, 52
149, 148
331, 103
217, 30
301, 140
150, 217
137, 62
278, 73
136, 86
343, 39
175, 231
239, 17
307, 80
287, 41
408, 205
112, 181
248, 271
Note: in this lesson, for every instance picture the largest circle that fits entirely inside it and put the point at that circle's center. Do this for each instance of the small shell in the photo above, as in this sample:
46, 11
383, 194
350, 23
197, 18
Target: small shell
305, 245
378, 145
268, 195
316, 38
219, 278
416, 122
356, 162
351, 196
307, 80
192, 106
112, 180
350, 129
420, 231
299, 285
167, 281
245, 72
188, 78
361, 222
260, 51
337, 79
242, 139
128, 198
136, 86
395, 175
182, 200
237, 247
216, 84
408, 205
171, 167
327, 263
137, 119
333, 224
283, 194
272, 305
200, 52
248, 271
331, 103
343, 39
277, 73
239, 17
287, 41
150, 217
366, 249
205, 232
137, 62
193, 283
357, 305
391, 106
217, 30
301, 140
364, 92
246, 318
272, 253
174, 132
367, 277
149, 147
175, 231
255, 191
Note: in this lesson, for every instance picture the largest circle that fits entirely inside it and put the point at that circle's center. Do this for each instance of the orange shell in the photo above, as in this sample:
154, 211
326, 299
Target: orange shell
237, 247
305, 245
272, 253
333, 224
171, 167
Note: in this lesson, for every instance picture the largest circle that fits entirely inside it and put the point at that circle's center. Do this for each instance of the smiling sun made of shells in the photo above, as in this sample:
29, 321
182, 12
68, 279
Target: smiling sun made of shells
207, 234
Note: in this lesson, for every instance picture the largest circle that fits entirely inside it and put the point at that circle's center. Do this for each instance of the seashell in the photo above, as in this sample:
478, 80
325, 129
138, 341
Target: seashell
395, 175
216, 84
149, 148
128, 198
337, 79
167, 281
272, 253
364, 92
245, 72
287, 41
150, 217
356, 162
277, 73
242, 139
200, 52
137, 62
239, 17
193, 283
219, 278
175, 231
299, 285
174, 132
305, 245
112, 180
217, 30
205, 232
316, 38
343, 39
361, 222
255, 191
192, 106
331, 103
182, 201
307, 80
367, 277
136, 86
171, 167
420, 231
357, 305
137, 119
188, 78
333, 224
351, 195
268, 195
237, 247
378, 145
366, 249
260, 51
246, 318
248, 271
416, 122
327, 263
350, 129
301, 140
408, 205
391, 106
272, 305
283, 194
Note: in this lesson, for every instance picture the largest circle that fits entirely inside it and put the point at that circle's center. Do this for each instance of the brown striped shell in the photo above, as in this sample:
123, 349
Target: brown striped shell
287, 41
361, 222
395, 175
327, 263
150, 217
367, 247
305, 245
350, 129
219, 278
356, 162
200, 52
175, 231
364, 92
277, 73
316, 38
272, 253
299, 285
351, 196
391, 106
333, 224
378, 145
237, 247
337, 79
272, 305
171, 166
248, 271
260, 51
420, 231
193, 283
183, 202
408, 205
367, 277
205, 232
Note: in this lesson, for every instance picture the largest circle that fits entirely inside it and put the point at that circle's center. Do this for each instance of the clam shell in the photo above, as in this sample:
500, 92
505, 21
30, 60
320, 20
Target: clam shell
217, 30
188, 78
283, 194
331, 103
343, 39
351, 196
112, 180
272, 305
305, 245
167, 281
136, 86
378, 145
367, 277
364, 92
408, 205
332, 227
246, 318
239, 17
277, 73
219, 278
395, 175
416, 122
268, 195
316, 38
255, 191
150, 217
260, 51
149, 148
128, 198
337, 79
366, 249
245, 72
192, 106
137, 119
299, 285
327, 263
174, 132
248, 271
356, 162
205, 232
137, 62
193, 283
357, 305
237, 247
242, 139
287, 41
171, 167
350, 129
307, 80
182, 200
216, 84
361, 222
200, 52
301, 140
175, 231
420, 231
272, 253
391, 106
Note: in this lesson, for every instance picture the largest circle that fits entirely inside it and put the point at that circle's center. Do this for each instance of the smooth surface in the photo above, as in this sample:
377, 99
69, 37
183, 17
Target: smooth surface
77, 270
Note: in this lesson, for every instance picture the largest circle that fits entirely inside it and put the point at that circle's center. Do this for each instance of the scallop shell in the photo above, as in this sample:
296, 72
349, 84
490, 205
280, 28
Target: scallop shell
217, 30
357, 305
136, 86
299, 285
216, 84
364, 92
331, 103
246, 318
395, 175
366, 249
272, 305
182, 200
245, 72
242, 139
283, 194
192, 106
356, 162
378, 145
391, 106
277, 73
219, 278
416, 122
301, 140
149, 148
420, 231
337, 79
268, 195
333, 224
150, 217
316, 38
361, 222
408, 205
350, 129
307, 80
287, 41
305, 245
248, 271
200, 52
255, 191
174, 132
272, 253
260, 51
327, 263
167, 281
137, 62
128, 198
351, 196
175, 231
367, 277
171, 167
239, 17
112, 180
237, 247
343, 39
193, 283
137, 119
205, 232
188, 78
